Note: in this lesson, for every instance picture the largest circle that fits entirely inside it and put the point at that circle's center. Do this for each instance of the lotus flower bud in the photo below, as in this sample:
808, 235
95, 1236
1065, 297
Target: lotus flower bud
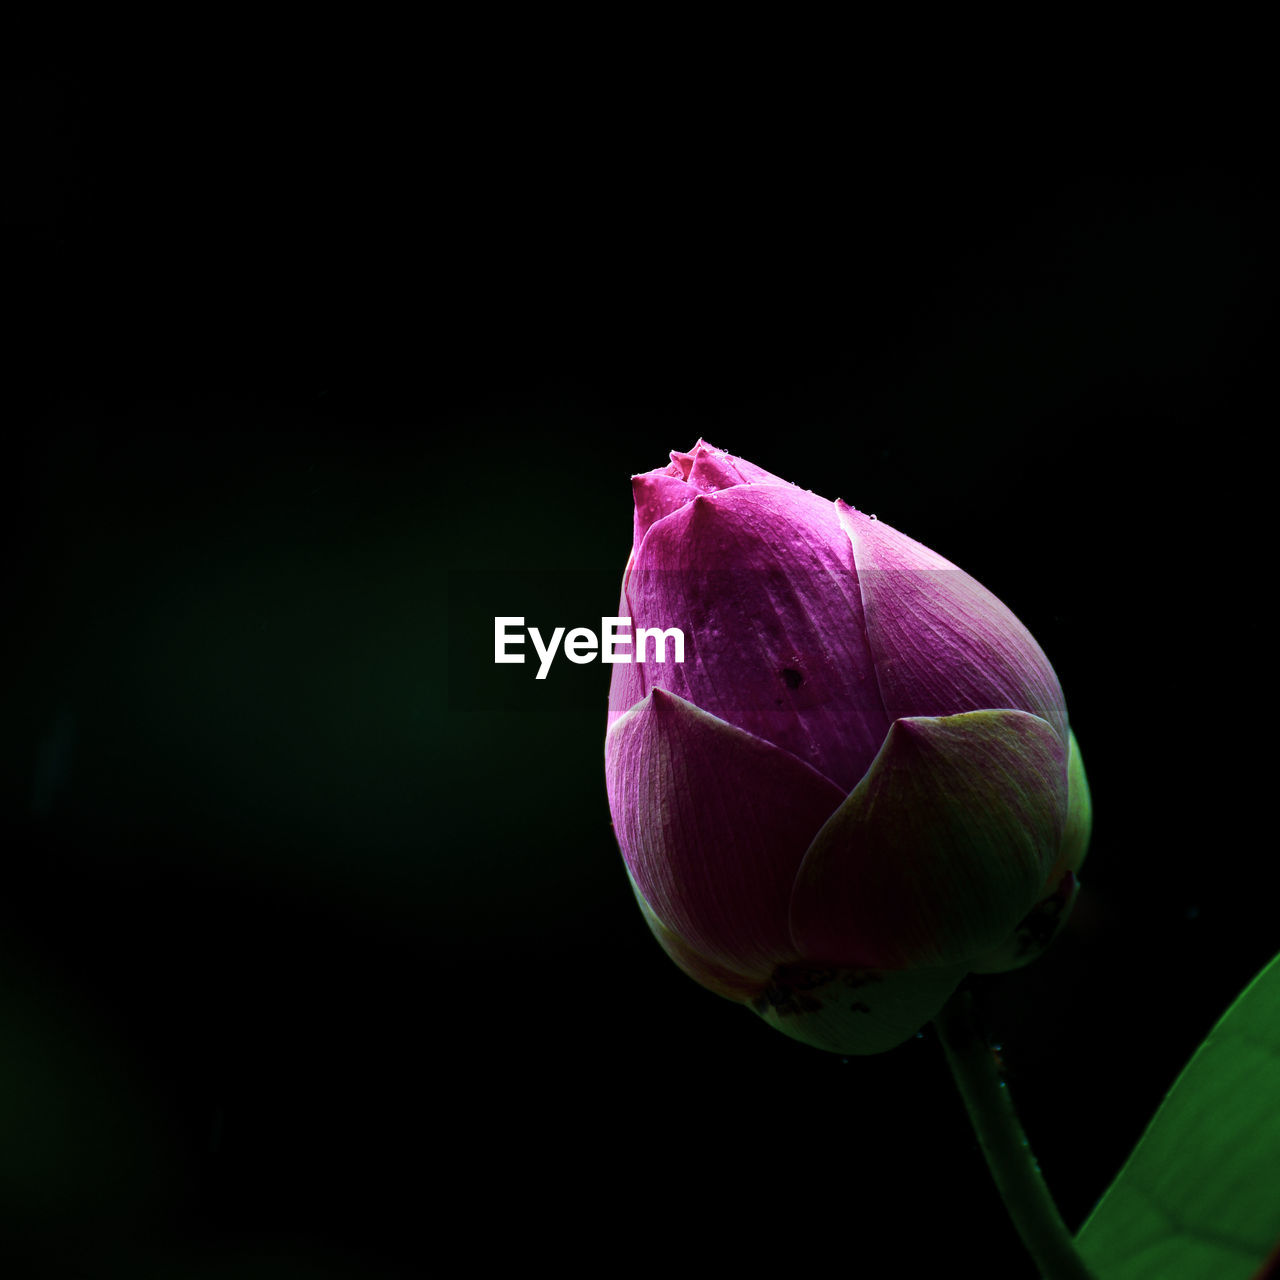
858, 786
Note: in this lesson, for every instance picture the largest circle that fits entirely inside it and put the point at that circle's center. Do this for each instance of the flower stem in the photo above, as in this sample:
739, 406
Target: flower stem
1014, 1168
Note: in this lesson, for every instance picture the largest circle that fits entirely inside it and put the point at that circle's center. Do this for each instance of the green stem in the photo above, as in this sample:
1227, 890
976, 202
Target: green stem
1017, 1176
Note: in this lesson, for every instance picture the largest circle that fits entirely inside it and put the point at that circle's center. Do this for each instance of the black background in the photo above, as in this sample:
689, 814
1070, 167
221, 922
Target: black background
313, 966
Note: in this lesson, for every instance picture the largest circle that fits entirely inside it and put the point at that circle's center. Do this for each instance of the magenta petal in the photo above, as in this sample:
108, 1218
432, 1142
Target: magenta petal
626, 684
704, 469
657, 495
941, 849
712, 469
760, 578
713, 824
941, 642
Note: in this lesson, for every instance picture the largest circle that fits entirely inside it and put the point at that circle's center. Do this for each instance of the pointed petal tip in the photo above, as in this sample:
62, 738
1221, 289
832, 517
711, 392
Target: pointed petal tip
655, 494
660, 707
662, 702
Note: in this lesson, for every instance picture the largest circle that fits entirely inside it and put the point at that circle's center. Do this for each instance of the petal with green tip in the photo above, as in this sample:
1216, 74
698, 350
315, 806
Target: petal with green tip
941, 849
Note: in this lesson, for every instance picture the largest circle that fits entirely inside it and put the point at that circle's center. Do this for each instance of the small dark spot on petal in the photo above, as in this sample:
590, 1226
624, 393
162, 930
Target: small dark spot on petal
791, 677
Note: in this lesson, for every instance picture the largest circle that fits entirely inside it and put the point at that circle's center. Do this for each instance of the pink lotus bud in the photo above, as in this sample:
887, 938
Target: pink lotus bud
859, 785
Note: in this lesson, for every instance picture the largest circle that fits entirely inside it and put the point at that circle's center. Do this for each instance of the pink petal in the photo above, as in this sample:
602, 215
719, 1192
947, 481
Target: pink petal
657, 495
626, 684
713, 824
710, 469
704, 469
941, 849
941, 642
626, 687
760, 578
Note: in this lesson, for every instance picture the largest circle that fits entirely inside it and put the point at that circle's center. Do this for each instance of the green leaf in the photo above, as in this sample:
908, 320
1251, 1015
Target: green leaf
1199, 1198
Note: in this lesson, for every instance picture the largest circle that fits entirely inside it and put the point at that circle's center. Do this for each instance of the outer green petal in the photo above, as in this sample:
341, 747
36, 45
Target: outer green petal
1045, 920
1075, 841
941, 849
855, 1011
